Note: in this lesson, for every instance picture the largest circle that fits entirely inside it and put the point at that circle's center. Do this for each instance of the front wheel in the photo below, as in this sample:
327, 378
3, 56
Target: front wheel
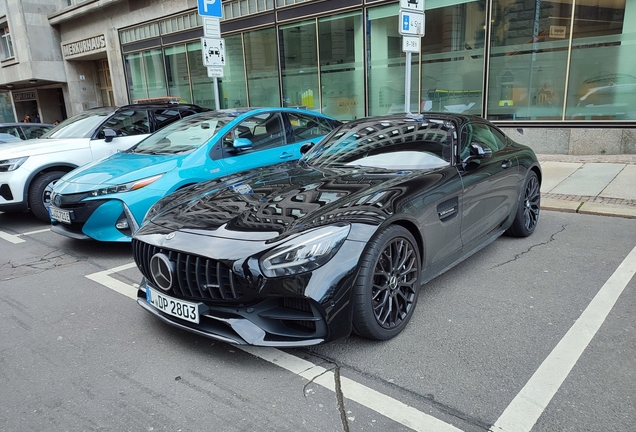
388, 284
40, 194
527, 215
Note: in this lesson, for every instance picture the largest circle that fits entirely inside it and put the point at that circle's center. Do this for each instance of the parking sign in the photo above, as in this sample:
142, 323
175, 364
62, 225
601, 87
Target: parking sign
210, 8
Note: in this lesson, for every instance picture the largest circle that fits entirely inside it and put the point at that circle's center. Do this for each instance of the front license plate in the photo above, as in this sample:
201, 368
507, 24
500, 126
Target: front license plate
178, 308
60, 215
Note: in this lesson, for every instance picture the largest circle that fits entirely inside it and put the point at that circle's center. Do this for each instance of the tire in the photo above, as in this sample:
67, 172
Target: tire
40, 194
387, 285
528, 209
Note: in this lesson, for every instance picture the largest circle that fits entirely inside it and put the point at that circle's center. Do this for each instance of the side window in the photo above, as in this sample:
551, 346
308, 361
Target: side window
12, 130
306, 127
264, 130
483, 134
35, 131
127, 123
165, 116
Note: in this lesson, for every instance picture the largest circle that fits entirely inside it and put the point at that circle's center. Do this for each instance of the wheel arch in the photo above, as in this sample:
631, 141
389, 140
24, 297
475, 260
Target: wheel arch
44, 169
411, 227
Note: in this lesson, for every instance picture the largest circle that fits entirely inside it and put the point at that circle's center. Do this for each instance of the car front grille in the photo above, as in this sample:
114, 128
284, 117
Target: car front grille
196, 277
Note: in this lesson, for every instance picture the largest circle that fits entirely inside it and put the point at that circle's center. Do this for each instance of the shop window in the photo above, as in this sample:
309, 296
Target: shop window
6, 45
299, 65
262, 67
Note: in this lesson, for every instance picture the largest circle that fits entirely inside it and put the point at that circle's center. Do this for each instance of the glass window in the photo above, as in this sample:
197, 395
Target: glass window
11, 130
5, 42
264, 130
306, 127
529, 48
299, 65
484, 135
155, 73
602, 83
232, 87
127, 123
202, 85
163, 117
387, 63
341, 40
453, 57
177, 73
262, 68
32, 132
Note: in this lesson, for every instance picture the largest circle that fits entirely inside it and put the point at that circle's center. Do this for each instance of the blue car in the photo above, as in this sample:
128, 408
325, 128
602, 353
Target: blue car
106, 200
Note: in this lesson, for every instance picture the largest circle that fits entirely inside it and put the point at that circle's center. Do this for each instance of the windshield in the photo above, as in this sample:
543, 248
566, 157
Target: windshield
392, 144
183, 136
81, 125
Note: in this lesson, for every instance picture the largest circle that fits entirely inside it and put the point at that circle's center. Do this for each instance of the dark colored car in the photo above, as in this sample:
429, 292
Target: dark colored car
303, 253
25, 131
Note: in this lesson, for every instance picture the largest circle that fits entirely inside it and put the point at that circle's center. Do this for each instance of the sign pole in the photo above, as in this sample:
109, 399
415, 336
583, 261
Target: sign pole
407, 84
217, 103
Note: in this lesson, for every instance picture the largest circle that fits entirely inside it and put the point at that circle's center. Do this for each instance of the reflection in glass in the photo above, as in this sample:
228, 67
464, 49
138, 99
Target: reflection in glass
262, 68
529, 49
299, 65
341, 65
232, 87
202, 85
453, 58
386, 62
177, 72
602, 84
135, 76
155, 76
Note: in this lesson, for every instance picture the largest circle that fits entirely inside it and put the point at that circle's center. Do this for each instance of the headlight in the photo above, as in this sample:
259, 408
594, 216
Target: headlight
305, 252
11, 164
137, 184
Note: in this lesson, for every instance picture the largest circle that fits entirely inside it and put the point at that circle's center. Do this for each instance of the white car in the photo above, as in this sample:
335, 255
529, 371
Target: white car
28, 170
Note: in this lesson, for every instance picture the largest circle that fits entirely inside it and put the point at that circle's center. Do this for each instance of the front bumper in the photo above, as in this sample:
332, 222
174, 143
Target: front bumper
12, 186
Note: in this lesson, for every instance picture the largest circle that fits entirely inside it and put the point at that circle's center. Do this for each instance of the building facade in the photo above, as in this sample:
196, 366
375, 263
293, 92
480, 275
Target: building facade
558, 75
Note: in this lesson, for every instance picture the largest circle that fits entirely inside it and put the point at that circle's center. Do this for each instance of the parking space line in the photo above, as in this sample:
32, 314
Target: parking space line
378, 402
11, 238
526, 408
36, 232
105, 279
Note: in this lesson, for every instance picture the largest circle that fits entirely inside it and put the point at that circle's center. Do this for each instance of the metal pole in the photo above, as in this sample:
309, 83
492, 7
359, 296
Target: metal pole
407, 84
217, 103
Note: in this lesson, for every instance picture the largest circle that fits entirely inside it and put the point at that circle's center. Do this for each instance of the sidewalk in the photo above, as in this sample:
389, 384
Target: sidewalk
600, 184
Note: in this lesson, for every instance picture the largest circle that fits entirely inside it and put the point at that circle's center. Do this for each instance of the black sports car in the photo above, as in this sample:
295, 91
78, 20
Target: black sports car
305, 252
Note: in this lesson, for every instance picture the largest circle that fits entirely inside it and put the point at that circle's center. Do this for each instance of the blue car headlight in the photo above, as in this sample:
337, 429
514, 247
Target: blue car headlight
12, 164
305, 252
134, 185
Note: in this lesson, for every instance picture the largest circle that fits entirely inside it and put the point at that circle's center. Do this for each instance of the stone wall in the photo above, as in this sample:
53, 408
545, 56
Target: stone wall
579, 141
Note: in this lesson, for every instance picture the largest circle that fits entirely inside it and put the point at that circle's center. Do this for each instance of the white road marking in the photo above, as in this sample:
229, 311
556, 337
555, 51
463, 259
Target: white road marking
11, 238
382, 404
378, 402
36, 232
104, 278
526, 408
15, 238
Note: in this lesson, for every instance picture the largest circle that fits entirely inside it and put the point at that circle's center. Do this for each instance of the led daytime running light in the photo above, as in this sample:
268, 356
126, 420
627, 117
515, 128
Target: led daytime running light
137, 184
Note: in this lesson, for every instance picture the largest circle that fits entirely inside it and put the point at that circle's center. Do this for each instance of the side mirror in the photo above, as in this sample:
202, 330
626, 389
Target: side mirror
306, 147
479, 151
242, 144
109, 134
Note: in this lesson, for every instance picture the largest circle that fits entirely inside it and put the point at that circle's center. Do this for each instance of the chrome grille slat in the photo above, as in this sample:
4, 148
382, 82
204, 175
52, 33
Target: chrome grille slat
192, 273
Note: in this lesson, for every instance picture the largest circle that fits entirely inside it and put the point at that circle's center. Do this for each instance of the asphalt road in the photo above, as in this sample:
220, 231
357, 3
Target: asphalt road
520, 321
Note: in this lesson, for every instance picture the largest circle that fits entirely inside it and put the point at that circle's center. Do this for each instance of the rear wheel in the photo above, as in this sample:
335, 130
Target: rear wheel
527, 215
40, 194
387, 287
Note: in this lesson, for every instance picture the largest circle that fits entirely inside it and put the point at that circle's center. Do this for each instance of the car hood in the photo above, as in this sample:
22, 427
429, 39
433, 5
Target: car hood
272, 203
117, 169
36, 147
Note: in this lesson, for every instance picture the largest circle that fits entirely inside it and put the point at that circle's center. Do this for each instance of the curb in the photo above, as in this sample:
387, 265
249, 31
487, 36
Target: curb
589, 208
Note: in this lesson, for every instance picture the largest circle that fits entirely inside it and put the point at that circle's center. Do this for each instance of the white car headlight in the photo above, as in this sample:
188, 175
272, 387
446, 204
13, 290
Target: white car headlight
305, 252
134, 185
12, 164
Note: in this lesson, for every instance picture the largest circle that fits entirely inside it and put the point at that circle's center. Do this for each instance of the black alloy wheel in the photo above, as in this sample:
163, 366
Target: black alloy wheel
527, 216
388, 284
40, 194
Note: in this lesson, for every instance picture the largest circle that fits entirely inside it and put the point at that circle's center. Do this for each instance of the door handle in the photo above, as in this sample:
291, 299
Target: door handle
506, 164
286, 155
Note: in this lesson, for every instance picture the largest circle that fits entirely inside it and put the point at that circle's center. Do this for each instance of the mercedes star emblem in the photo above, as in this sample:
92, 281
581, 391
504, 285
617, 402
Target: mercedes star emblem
162, 271
169, 236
